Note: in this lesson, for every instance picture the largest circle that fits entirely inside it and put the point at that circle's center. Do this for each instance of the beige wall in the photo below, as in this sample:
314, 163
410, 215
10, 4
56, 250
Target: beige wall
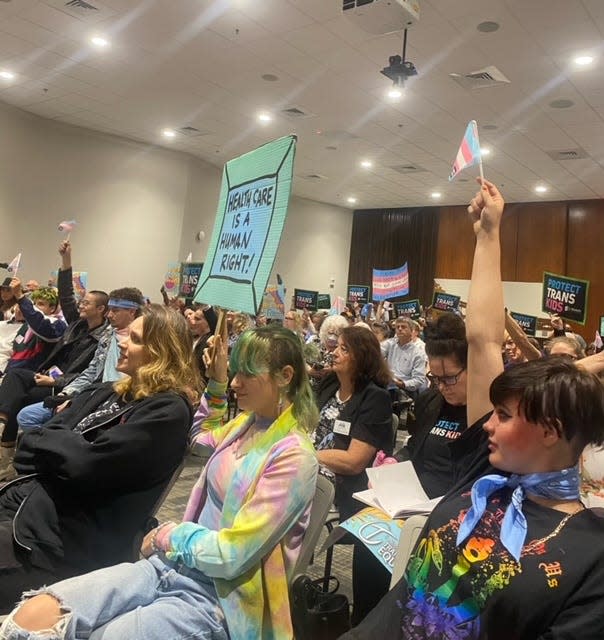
138, 207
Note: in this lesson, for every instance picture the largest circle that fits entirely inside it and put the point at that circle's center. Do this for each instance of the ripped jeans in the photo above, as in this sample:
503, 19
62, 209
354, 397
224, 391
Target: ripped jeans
147, 600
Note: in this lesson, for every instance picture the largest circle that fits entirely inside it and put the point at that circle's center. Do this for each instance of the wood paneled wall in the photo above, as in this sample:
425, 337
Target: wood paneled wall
562, 237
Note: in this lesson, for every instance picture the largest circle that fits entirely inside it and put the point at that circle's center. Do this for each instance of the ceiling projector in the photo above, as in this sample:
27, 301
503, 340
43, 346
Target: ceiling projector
382, 16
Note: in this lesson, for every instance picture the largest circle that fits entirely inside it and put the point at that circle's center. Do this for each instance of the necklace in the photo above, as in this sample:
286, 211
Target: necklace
342, 400
536, 544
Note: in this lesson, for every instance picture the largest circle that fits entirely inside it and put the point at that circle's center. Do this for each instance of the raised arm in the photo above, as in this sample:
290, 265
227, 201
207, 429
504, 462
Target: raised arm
485, 314
520, 338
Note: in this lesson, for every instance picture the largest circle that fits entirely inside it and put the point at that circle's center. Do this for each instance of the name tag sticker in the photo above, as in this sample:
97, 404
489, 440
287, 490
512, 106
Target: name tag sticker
342, 427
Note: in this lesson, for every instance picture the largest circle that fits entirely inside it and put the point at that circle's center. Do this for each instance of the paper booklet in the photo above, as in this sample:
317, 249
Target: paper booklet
396, 490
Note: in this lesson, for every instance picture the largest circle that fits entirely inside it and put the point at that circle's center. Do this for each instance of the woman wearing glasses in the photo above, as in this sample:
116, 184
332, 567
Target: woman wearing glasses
441, 414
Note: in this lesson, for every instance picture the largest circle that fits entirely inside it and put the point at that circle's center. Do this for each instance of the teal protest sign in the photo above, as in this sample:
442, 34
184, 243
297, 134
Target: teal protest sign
252, 207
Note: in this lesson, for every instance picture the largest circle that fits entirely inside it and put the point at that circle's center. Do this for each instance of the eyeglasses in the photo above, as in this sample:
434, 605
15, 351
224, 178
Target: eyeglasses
447, 381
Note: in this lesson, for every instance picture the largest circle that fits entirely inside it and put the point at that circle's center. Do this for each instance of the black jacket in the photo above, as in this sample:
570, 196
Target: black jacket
369, 409
76, 347
87, 495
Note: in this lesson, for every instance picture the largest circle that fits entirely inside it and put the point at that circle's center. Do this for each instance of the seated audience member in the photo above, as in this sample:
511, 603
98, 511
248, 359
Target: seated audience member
7, 299
100, 465
124, 306
512, 353
355, 423
43, 328
564, 346
381, 330
406, 358
514, 553
524, 347
9, 330
223, 573
331, 328
70, 355
293, 321
203, 324
440, 412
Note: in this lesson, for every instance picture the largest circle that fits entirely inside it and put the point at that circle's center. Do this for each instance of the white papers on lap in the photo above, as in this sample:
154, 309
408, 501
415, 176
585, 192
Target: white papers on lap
396, 490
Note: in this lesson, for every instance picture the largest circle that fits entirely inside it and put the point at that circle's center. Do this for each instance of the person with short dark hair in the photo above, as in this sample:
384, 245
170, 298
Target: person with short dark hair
511, 551
69, 356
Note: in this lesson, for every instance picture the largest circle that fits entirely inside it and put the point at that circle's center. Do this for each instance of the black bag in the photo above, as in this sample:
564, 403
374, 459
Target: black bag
318, 614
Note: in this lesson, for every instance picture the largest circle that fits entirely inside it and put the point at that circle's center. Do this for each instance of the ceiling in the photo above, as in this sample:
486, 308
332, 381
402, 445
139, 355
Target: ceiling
199, 63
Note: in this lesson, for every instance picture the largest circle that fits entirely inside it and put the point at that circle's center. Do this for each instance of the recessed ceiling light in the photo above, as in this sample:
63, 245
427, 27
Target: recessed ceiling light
99, 41
168, 133
264, 117
351, 200
562, 103
394, 93
488, 26
583, 61
489, 127
270, 77
7, 75
436, 195
540, 188
485, 151
366, 164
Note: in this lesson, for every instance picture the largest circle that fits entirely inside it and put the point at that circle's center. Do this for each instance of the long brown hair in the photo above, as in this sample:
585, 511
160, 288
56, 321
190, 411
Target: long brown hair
368, 364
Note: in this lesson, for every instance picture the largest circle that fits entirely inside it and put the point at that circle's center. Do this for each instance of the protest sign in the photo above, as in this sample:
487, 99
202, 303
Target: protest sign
445, 301
272, 302
254, 196
78, 278
527, 323
172, 278
409, 308
324, 301
358, 293
390, 283
189, 278
565, 296
304, 299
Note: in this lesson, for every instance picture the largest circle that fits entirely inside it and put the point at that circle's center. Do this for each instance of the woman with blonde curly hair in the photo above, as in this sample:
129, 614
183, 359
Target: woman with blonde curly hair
89, 477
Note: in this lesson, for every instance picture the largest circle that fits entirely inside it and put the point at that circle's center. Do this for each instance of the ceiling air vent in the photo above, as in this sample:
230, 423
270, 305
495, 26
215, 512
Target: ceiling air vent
481, 79
408, 168
314, 177
192, 132
295, 113
568, 154
86, 10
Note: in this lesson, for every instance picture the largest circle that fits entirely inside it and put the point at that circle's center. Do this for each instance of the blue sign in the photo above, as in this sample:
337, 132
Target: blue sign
527, 323
445, 301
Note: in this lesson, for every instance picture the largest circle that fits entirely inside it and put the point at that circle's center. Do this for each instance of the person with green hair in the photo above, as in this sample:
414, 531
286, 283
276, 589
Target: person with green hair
223, 572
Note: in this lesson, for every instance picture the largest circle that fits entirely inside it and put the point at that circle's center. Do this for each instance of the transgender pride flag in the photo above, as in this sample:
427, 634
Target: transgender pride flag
391, 283
469, 151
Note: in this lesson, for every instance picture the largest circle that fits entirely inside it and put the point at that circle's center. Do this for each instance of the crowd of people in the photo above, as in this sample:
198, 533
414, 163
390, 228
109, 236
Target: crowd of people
101, 397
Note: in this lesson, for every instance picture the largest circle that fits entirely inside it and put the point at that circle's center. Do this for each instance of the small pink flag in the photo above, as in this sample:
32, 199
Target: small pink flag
598, 341
67, 226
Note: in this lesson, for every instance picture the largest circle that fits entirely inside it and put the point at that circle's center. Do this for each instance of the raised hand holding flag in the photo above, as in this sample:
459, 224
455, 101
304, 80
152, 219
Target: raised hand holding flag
469, 152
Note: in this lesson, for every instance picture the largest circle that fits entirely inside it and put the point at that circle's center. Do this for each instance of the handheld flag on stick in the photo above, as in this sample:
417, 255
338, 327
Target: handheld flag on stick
469, 152
598, 341
13, 267
67, 226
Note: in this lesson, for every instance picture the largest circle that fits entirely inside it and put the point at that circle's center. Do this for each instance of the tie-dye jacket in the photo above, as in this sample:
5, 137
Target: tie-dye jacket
264, 518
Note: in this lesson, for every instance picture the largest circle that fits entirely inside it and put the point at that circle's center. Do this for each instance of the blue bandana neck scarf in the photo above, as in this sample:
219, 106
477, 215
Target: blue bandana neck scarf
554, 485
